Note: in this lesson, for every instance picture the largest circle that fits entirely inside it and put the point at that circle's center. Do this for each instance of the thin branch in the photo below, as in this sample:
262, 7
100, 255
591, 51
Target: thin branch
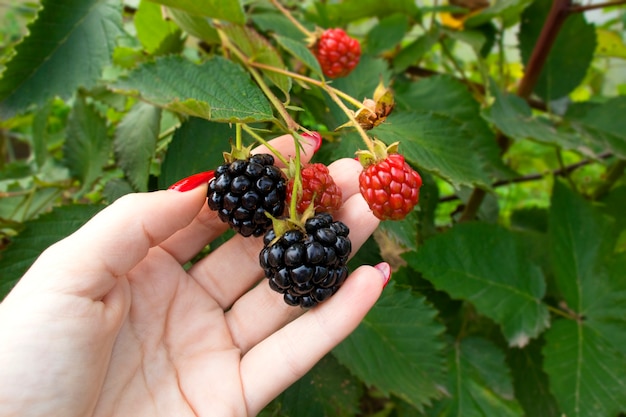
580, 8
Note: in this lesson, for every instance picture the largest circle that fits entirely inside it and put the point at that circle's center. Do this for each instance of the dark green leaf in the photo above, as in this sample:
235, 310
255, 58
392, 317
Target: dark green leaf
568, 60
278, 24
87, 147
402, 330
479, 383
437, 143
197, 26
326, 390
487, 265
507, 10
217, 90
197, 146
69, 44
413, 52
135, 143
36, 236
531, 382
347, 11
230, 10
386, 34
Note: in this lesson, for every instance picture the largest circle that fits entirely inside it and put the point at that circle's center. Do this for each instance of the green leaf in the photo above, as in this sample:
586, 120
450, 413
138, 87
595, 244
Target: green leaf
437, 143
229, 10
401, 328
217, 89
300, 51
507, 10
487, 265
198, 145
135, 143
531, 382
339, 14
197, 26
514, 117
326, 390
386, 34
413, 52
36, 236
87, 147
278, 24
568, 61
258, 49
69, 44
151, 28
479, 382
603, 126
585, 358
447, 96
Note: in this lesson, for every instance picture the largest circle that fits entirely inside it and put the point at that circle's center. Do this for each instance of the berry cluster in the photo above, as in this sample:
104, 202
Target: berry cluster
309, 265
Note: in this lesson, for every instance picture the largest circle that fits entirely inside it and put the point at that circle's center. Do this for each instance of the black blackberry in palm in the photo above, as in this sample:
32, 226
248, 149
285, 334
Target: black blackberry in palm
244, 189
307, 266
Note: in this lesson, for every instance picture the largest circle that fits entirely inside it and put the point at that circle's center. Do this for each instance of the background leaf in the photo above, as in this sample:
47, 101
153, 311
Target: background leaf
88, 146
400, 328
76, 32
229, 10
216, 90
36, 236
135, 143
504, 286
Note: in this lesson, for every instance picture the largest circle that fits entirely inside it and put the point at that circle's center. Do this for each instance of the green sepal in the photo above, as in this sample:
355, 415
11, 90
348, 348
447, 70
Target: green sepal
238, 154
380, 152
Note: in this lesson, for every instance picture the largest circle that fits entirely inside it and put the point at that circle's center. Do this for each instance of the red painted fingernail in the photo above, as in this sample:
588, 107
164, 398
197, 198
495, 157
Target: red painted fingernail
316, 139
385, 269
194, 181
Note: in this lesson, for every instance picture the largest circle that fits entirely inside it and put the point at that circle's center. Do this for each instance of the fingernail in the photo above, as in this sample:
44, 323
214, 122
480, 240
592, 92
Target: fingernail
315, 137
385, 269
194, 181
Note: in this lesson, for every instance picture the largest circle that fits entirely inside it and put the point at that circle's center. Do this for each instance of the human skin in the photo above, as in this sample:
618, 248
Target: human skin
108, 322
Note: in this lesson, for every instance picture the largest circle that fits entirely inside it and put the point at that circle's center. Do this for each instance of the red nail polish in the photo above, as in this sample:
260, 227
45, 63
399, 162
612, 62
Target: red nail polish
385, 268
316, 138
194, 181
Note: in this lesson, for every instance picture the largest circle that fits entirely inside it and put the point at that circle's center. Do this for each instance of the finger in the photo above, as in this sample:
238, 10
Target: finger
185, 244
261, 311
88, 262
244, 252
288, 354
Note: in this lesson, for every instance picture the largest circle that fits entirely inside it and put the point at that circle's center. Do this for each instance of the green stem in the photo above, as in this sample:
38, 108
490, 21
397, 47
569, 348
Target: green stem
238, 140
259, 139
366, 139
297, 186
293, 20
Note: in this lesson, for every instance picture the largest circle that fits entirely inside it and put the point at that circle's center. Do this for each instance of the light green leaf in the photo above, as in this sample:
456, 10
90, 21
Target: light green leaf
479, 383
87, 147
437, 143
36, 236
217, 89
567, 62
488, 266
326, 390
258, 49
341, 13
229, 10
197, 146
507, 10
413, 52
300, 51
402, 330
135, 143
69, 44
152, 29
447, 96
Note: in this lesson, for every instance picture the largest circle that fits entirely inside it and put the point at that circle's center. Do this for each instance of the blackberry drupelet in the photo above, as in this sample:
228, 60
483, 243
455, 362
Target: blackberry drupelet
243, 190
307, 267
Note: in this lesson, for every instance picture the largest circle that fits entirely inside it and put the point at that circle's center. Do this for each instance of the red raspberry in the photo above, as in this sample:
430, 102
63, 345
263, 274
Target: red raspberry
337, 53
390, 187
317, 181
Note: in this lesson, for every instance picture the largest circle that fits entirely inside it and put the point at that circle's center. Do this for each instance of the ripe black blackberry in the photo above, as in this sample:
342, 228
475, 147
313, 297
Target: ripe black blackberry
244, 189
307, 267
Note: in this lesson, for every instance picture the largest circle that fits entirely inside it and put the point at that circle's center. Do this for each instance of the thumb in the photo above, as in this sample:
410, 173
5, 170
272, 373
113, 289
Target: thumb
114, 241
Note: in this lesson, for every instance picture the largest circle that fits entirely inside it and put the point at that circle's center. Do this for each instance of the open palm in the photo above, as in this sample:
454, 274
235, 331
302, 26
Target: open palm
109, 322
